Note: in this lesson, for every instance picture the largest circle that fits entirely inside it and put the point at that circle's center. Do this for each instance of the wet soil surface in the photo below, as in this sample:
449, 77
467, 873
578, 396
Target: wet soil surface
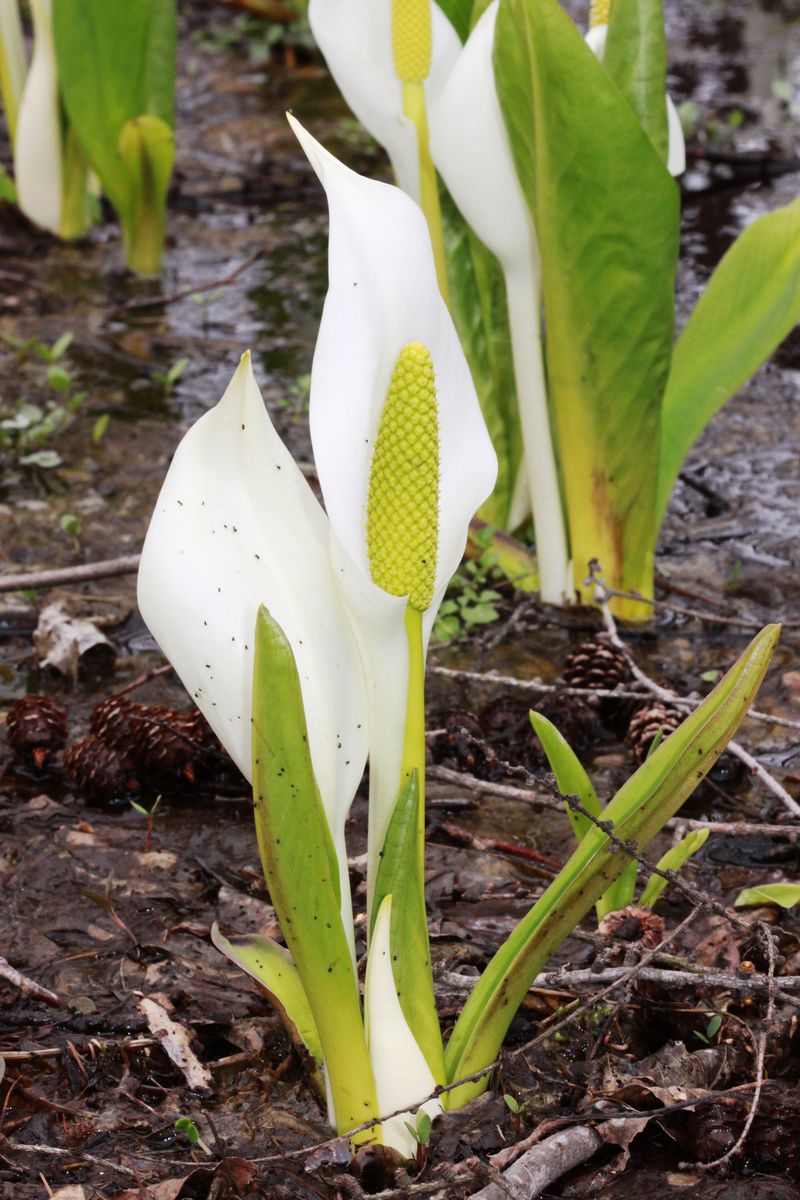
111, 912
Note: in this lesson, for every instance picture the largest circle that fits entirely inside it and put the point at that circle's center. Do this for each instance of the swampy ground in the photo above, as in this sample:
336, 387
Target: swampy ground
113, 920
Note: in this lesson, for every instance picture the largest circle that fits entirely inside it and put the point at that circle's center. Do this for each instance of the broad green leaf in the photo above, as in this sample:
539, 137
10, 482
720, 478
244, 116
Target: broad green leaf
301, 871
570, 776
638, 811
459, 14
750, 304
147, 149
785, 895
271, 966
480, 314
636, 59
673, 860
606, 214
400, 876
116, 63
572, 780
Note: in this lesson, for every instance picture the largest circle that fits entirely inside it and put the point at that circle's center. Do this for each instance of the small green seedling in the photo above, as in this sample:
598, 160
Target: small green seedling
187, 1127
469, 602
149, 814
516, 1108
70, 524
712, 1029
169, 378
421, 1133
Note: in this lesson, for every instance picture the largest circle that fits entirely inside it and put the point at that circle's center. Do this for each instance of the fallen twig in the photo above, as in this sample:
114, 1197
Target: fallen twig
493, 678
530, 796
29, 987
209, 285
105, 569
544, 1164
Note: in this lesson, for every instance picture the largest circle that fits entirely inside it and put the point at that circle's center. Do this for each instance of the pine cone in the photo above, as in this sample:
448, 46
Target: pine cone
115, 722
596, 663
100, 771
652, 719
36, 730
773, 1139
170, 752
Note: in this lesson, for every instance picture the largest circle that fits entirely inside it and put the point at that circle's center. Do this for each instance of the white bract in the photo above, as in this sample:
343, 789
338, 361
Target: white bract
471, 149
237, 525
355, 37
383, 296
596, 39
402, 1075
37, 144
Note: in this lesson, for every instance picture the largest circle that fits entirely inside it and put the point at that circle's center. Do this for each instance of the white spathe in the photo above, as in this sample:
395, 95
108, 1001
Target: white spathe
236, 525
355, 37
382, 295
403, 1078
471, 149
37, 145
596, 40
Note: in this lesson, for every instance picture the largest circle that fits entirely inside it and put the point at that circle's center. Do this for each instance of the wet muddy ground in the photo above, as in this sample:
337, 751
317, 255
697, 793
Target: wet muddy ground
108, 917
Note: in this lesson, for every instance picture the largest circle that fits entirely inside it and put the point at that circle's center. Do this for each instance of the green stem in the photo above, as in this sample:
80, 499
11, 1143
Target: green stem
414, 743
414, 109
74, 188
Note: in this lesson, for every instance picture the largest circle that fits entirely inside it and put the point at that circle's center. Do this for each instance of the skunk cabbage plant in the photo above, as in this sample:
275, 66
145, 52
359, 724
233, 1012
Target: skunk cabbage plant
50, 174
301, 635
559, 151
116, 66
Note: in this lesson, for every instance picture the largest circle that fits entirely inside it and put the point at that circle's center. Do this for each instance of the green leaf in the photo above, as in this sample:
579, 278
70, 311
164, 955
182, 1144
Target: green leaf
673, 860
608, 265
400, 875
459, 13
714, 1025
636, 59
637, 812
187, 1126
147, 148
301, 871
572, 780
785, 895
116, 65
750, 304
480, 314
271, 966
570, 776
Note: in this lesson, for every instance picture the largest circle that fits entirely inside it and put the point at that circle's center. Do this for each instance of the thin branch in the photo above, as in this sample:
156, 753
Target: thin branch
530, 796
209, 285
493, 678
29, 987
126, 565
761, 1050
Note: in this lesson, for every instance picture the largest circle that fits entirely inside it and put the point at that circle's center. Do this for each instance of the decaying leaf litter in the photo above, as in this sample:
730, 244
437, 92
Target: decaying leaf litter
110, 910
